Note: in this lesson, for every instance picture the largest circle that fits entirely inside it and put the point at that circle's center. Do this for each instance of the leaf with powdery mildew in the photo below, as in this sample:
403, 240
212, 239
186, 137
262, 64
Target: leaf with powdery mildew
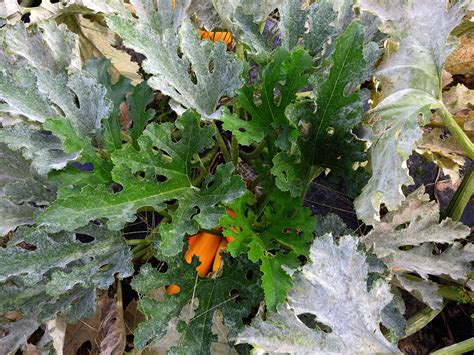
200, 76
404, 240
333, 289
410, 82
159, 172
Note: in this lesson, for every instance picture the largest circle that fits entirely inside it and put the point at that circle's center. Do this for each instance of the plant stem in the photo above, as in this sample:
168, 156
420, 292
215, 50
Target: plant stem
254, 153
139, 254
462, 196
121, 319
221, 143
418, 321
421, 319
313, 174
460, 348
234, 151
456, 131
136, 241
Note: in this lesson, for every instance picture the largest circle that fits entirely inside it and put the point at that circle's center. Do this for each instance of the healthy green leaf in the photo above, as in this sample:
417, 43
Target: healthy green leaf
138, 100
326, 138
276, 239
404, 240
281, 79
190, 312
333, 288
410, 81
98, 68
158, 173
194, 74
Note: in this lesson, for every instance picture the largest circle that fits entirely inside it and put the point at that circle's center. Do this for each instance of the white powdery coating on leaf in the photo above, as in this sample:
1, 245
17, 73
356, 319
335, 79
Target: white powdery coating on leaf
334, 289
423, 229
410, 81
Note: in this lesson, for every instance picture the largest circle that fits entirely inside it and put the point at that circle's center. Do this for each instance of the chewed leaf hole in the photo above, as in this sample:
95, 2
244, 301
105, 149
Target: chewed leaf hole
84, 238
311, 322
115, 188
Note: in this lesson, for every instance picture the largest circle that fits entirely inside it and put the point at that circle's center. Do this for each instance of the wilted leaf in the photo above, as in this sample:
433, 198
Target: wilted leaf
96, 40
112, 327
332, 289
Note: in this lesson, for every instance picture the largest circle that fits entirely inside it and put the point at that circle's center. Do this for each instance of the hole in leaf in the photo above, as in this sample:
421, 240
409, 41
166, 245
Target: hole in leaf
26, 246
235, 295
26, 17
76, 100
242, 130
249, 275
84, 238
311, 322
161, 178
140, 175
83, 166
211, 66
115, 188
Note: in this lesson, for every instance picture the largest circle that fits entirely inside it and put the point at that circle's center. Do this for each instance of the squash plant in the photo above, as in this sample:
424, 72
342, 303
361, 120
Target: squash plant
251, 124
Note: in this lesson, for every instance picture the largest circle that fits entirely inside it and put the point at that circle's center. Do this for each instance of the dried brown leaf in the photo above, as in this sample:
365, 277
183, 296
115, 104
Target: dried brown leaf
112, 328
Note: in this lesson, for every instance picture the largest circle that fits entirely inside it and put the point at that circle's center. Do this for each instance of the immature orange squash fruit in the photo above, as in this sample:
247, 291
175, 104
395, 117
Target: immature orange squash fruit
218, 258
204, 247
173, 290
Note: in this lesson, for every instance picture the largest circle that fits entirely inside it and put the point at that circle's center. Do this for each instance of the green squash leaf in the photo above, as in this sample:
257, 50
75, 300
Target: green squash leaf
281, 79
159, 172
276, 239
137, 101
326, 138
191, 312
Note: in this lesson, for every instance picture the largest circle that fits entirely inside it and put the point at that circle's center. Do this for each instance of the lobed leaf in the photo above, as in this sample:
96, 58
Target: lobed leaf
333, 289
404, 241
189, 314
276, 239
159, 172
410, 80
172, 47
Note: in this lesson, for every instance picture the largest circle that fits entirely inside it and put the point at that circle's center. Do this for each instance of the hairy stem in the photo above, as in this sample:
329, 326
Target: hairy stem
221, 143
462, 196
456, 131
